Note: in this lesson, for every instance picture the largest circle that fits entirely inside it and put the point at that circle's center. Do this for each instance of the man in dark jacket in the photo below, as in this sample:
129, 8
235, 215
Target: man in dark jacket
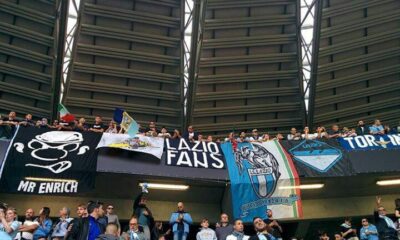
385, 225
144, 215
190, 135
362, 129
88, 228
262, 230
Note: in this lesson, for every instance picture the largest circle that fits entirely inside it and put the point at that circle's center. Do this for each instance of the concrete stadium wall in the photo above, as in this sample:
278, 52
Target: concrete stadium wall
313, 209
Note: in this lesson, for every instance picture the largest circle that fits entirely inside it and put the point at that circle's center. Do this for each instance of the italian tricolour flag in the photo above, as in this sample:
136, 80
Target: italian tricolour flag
64, 114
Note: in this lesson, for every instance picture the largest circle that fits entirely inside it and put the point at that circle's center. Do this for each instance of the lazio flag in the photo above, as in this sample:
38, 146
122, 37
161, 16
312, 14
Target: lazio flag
262, 177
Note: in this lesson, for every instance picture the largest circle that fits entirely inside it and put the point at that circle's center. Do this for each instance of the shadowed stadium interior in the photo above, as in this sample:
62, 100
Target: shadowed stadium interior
128, 54
29, 56
356, 62
223, 67
246, 67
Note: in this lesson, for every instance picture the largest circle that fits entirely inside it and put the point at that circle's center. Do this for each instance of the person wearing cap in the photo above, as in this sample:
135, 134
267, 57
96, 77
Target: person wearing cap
143, 213
254, 136
60, 229
206, 233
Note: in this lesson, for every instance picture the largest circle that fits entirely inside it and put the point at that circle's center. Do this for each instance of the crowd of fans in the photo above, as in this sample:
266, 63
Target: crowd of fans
8, 124
96, 223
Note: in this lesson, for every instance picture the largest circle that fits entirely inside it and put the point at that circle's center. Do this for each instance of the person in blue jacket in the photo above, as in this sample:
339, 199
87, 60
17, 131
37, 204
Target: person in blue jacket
180, 222
368, 231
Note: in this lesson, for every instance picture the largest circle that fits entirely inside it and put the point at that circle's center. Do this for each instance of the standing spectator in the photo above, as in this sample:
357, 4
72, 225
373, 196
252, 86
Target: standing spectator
238, 231
8, 224
158, 231
112, 127
82, 126
176, 134
164, 133
27, 122
81, 211
397, 211
111, 233
254, 136
200, 137
361, 128
385, 225
322, 235
180, 222
45, 224
209, 138
143, 213
190, 135
334, 132
103, 219
376, 128
293, 135
337, 236
133, 232
279, 137
98, 125
28, 227
261, 230
7, 125
368, 231
60, 229
321, 132
206, 233
274, 225
242, 137
347, 231
265, 137
223, 228
55, 124
88, 228
307, 135
111, 217
152, 130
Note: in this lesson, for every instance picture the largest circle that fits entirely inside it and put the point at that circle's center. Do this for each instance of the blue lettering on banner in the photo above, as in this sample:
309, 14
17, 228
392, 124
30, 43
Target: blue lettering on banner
371, 142
263, 202
317, 155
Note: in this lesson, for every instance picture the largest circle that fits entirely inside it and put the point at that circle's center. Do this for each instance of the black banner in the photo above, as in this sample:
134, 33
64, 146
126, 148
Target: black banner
317, 158
198, 154
42, 161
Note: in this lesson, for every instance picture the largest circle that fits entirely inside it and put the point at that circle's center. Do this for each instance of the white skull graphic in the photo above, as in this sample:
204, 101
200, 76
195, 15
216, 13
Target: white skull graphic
54, 146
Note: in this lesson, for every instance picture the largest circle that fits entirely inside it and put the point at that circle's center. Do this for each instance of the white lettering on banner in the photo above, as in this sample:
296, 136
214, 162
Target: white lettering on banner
169, 147
219, 161
48, 187
199, 155
184, 160
366, 141
349, 140
360, 140
394, 139
371, 140
260, 171
170, 154
26, 186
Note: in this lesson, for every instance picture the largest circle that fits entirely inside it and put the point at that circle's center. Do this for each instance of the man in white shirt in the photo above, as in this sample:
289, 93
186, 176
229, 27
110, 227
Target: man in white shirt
28, 227
238, 231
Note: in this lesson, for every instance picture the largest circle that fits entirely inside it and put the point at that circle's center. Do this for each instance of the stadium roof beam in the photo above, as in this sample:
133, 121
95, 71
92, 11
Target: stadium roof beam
356, 70
247, 66
128, 54
32, 33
